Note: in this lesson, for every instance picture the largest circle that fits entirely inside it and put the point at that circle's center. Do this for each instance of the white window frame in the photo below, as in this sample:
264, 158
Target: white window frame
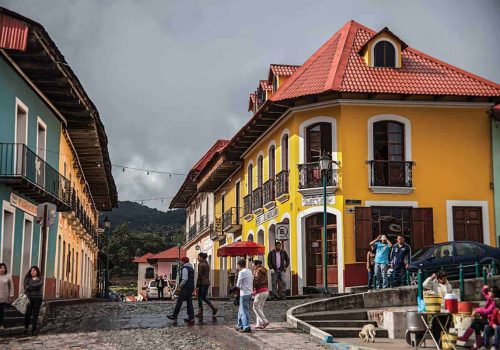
21, 105
11, 209
396, 52
283, 133
302, 136
41, 123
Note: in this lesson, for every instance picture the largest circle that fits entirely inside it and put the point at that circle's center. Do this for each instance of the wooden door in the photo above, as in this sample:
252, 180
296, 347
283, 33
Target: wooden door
315, 255
468, 224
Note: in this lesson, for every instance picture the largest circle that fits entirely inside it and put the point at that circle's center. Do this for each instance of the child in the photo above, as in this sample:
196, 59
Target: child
489, 293
370, 264
493, 327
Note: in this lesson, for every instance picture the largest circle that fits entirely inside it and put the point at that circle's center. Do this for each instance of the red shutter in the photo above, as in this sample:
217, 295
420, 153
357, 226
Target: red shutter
422, 228
362, 231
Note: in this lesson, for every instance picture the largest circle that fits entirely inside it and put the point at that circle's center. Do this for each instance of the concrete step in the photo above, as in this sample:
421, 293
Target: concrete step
341, 323
334, 315
12, 331
352, 332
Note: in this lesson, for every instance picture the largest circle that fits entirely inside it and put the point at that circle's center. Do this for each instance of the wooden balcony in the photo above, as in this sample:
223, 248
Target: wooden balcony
257, 201
247, 207
269, 194
391, 176
231, 220
311, 179
29, 175
282, 193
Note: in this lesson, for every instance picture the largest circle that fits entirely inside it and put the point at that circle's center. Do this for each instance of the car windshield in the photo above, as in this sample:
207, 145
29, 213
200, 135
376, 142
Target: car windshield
420, 253
152, 284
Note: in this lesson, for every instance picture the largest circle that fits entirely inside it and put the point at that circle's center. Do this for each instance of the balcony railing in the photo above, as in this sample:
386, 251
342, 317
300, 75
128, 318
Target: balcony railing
268, 191
282, 183
203, 223
310, 176
230, 220
192, 232
385, 173
28, 174
247, 205
257, 199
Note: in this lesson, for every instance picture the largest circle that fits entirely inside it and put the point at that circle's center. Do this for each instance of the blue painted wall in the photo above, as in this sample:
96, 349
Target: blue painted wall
12, 85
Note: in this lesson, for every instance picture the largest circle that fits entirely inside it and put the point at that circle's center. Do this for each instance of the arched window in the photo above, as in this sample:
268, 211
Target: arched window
260, 170
319, 140
389, 167
385, 54
250, 179
284, 152
272, 162
250, 237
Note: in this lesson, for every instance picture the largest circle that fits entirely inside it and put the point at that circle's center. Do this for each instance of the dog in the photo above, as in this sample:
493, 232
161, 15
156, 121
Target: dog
368, 333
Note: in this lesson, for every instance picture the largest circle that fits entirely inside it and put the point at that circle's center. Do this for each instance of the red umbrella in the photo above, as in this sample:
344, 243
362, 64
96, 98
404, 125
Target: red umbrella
241, 248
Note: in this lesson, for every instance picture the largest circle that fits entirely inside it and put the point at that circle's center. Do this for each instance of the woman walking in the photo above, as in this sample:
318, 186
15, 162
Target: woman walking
6, 291
203, 283
261, 292
33, 287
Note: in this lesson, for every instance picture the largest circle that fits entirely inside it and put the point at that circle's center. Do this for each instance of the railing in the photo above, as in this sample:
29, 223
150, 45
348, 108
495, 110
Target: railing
203, 223
247, 205
282, 183
17, 160
230, 218
192, 232
269, 193
310, 176
257, 198
388, 173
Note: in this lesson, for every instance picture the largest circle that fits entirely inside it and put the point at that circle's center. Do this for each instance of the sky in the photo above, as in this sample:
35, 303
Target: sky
169, 78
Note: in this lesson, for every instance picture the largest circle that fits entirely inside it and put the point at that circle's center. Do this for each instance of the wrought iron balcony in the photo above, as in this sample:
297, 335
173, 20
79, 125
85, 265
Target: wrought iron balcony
192, 233
282, 184
268, 193
203, 223
247, 205
231, 220
257, 199
31, 176
310, 176
385, 173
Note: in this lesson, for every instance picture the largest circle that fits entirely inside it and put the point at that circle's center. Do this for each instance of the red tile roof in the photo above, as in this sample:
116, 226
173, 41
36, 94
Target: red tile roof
170, 254
337, 66
266, 85
142, 259
251, 101
281, 70
217, 147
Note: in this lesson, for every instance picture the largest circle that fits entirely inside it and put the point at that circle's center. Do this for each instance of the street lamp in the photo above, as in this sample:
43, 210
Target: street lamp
325, 165
107, 225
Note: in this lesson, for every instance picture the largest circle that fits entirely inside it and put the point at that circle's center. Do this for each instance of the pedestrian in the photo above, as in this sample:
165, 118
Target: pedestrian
480, 315
260, 292
382, 250
400, 258
493, 328
33, 287
245, 285
6, 291
203, 284
185, 292
160, 285
370, 265
278, 262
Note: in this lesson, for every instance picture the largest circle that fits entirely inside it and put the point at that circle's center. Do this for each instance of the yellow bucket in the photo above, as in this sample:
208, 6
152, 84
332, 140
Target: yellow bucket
448, 341
433, 303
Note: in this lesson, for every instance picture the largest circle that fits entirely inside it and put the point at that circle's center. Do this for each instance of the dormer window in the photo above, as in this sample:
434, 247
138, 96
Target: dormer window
384, 54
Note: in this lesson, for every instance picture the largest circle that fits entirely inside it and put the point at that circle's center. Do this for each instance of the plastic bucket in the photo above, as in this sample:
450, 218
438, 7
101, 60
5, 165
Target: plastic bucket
448, 341
432, 303
451, 303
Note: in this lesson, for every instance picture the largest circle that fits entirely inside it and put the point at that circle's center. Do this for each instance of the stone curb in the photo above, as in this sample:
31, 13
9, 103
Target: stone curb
316, 332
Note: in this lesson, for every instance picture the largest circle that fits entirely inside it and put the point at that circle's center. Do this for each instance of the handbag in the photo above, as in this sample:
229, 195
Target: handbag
21, 303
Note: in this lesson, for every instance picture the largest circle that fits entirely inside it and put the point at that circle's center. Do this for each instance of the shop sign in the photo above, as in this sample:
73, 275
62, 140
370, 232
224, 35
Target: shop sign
353, 202
316, 200
23, 204
207, 245
268, 215
282, 232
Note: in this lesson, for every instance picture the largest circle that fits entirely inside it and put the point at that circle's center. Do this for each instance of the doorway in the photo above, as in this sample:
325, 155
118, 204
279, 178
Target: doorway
468, 224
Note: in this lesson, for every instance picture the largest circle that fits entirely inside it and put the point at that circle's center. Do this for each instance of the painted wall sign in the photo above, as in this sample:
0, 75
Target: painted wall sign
282, 232
317, 200
23, 204
350, 210
268, 215
353, 202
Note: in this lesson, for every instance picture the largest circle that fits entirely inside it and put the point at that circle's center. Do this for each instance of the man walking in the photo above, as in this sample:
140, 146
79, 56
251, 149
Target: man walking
245, 285
160, 285
382, 250
400, 257
202, 284
185, 292
278, 262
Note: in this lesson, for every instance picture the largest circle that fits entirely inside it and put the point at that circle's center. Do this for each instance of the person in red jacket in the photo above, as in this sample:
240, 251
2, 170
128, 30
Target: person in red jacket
493, 327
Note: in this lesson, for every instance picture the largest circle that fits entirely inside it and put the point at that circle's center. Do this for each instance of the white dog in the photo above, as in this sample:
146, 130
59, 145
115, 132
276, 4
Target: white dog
368, 333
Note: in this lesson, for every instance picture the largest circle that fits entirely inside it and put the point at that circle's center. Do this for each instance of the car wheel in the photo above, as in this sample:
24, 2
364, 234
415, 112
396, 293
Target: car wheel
413, 278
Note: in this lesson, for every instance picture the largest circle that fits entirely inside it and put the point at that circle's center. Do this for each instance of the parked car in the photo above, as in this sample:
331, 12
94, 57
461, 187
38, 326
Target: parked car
152, 290
449, 256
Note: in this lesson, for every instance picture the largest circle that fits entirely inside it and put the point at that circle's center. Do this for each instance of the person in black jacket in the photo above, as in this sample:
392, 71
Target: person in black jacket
186, 286
33, 287
160, 285
278, 262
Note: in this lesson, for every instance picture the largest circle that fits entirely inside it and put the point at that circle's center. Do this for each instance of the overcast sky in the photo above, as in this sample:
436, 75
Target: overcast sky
171, 77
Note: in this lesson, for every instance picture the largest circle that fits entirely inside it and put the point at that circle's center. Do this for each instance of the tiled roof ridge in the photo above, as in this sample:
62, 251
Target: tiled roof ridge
216, 147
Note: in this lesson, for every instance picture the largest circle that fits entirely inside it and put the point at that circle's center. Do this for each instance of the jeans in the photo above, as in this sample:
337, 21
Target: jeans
278, 281
399, 276
244, 312
258, 307
2, 309
370, 279
488, 332
185, 296
381, 273
32, 310
202, 297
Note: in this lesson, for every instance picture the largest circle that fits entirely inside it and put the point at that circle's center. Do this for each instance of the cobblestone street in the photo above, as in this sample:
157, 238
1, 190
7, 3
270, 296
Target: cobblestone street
145, 325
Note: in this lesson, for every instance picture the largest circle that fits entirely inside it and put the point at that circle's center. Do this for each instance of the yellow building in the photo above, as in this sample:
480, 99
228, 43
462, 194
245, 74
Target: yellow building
405, 131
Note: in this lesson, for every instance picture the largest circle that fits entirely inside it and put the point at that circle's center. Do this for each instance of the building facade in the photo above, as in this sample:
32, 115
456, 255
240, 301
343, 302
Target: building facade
53, 149
401, 127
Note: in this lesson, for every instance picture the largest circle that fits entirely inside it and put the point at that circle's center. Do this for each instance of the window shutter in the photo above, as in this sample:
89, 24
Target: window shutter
362, 231
422, 228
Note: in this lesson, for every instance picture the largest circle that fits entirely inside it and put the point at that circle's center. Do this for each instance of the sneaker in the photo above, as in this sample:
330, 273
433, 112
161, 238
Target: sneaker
172, 317
246, 330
